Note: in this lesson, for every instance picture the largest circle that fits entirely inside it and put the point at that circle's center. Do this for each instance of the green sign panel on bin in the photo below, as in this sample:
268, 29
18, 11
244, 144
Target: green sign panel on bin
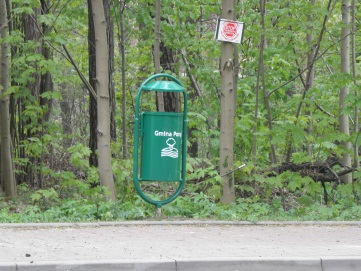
161, 146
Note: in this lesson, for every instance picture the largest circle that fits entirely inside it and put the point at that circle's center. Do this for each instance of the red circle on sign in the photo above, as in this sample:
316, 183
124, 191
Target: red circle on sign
229, 30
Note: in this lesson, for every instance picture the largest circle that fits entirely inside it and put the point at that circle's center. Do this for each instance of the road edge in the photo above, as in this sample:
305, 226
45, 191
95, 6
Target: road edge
214, 264
180, 223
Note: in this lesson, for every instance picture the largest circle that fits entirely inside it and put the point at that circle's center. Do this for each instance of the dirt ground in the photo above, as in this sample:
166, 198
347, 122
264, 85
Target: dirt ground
177, 241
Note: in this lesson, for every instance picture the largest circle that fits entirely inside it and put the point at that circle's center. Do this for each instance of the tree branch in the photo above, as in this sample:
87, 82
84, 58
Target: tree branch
71, 60
305, 69
191, 77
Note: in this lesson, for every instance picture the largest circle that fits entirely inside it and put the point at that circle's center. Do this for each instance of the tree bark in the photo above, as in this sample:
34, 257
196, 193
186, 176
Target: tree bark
7, 171
354, 73
93, 118
46, 85
102, 84
156, 53
261, 76
2, 185
66, 115
46, 82
170, 99
228, 89
32, 174
124, 91
311, 71
110, 37
344, 91
93, 160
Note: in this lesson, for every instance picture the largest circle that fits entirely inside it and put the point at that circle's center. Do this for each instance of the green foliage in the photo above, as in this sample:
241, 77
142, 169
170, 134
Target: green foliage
89, 205
71, 189
45, 198
203, 177
79, 155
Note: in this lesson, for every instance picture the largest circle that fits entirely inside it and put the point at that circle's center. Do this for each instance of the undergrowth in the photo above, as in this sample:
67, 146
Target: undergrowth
288, 196
199, 206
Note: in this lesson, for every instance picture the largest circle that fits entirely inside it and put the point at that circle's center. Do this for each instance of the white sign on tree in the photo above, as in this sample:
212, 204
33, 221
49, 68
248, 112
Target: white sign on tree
230, 31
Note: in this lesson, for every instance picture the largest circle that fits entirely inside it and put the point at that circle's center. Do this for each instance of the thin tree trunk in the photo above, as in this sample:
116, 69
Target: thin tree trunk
2, 185
156, 53
171, 99
187, 65
235, 70
315, 51
354, 72
66, 115
46, 83
110, 37
255, 128
311, 71
345, 68
273, 157
124, 94
93, 119
102, 83
8, 11
32, 33
226, 152
7, 171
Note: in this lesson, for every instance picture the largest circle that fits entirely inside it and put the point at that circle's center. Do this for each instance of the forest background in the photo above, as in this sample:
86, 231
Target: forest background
294, 94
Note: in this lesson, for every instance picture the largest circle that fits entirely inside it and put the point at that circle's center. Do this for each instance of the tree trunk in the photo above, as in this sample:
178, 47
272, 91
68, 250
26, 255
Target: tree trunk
227, 110
345, 68
46, 82
93, 160
2, 185
93, 119
260, 61
354, 73
32, 33
311, 77
110, 37
267, 100
121, 41
7, 171
171, 99
102, 84
66, 115
156, 53
46, 85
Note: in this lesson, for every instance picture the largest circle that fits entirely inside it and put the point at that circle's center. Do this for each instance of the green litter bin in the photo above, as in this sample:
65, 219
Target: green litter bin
160, 139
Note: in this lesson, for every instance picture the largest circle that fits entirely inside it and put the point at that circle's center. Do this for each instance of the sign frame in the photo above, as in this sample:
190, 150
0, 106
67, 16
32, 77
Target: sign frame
229, 31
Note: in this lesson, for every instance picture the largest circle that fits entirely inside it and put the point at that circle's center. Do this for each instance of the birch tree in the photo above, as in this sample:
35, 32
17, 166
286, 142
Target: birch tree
102, 83
7, 171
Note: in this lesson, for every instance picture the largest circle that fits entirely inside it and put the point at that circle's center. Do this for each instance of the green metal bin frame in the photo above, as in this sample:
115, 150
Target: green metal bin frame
174, 85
